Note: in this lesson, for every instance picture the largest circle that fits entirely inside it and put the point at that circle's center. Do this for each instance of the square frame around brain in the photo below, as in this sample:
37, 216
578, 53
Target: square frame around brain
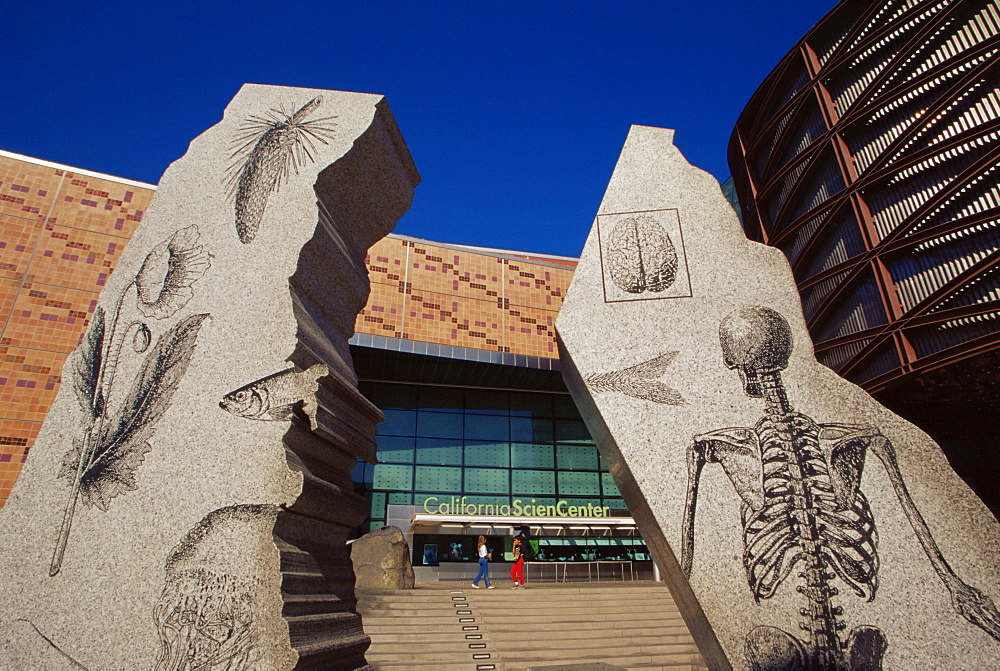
643, 256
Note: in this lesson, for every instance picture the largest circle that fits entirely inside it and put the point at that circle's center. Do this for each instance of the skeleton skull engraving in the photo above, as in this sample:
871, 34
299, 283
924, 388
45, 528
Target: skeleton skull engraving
803, 510
642, 256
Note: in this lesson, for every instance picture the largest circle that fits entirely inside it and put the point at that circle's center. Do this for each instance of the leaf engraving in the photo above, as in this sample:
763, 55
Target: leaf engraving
639, 381
122, 444
88, 367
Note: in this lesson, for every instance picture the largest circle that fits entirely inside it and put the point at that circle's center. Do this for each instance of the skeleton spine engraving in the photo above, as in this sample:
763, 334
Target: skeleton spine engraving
800, 523
265, 149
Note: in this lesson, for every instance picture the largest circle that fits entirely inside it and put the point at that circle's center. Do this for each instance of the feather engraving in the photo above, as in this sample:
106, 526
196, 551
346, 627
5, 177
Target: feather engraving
266, 149
639, 381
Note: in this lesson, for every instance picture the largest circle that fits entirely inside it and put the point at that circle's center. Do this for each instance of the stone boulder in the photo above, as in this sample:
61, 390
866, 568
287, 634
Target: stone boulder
381, 560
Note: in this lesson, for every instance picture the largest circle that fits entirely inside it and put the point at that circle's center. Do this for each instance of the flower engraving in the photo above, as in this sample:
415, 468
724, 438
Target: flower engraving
104, 458
164, 281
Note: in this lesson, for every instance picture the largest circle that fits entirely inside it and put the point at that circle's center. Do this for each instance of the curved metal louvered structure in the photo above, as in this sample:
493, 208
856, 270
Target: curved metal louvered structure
871, 157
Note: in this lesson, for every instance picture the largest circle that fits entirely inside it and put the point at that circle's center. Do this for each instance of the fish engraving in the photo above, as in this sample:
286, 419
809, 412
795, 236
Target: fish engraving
275, 398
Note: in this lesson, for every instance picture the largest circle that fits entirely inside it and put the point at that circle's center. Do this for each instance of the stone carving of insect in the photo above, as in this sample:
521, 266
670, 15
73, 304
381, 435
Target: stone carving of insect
802, 510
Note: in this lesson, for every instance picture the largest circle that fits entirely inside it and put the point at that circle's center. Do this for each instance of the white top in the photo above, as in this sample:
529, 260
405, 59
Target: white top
482, 551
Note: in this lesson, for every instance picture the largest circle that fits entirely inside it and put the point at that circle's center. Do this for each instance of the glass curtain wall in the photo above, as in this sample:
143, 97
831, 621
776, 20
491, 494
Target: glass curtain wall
492, 446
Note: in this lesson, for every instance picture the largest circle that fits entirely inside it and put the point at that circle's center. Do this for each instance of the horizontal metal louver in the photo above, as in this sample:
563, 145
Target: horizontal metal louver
788, 182
918, 274
983, 289
836, 245
835, 357
813, 297
879, 362
802, 237
858, 310
930, 340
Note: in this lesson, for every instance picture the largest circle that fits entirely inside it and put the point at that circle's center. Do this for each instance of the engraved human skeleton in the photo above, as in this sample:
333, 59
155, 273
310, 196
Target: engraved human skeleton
802, 508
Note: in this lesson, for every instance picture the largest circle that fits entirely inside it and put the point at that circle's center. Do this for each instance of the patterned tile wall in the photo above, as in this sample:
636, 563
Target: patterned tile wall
61, 233
433, 293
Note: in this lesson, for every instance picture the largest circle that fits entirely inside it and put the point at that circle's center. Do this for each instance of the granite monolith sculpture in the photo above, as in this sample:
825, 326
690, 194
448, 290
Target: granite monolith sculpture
188, 500
798, 523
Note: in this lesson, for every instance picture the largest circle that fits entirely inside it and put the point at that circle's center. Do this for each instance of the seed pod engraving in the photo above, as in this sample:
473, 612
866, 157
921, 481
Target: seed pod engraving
641, 256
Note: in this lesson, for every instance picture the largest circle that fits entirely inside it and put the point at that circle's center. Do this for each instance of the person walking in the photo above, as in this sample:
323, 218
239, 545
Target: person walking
484, 564
517, 570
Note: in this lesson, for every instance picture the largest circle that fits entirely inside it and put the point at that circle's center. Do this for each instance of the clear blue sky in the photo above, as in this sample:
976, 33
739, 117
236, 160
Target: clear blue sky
514, 111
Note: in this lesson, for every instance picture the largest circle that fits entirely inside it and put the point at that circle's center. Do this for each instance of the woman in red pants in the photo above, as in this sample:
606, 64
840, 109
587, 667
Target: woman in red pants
517, 570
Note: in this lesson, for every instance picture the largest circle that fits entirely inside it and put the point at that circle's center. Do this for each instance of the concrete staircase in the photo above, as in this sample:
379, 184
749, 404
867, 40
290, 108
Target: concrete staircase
574, 626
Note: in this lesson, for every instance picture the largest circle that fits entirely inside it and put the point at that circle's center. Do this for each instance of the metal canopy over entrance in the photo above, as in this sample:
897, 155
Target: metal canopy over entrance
540, 526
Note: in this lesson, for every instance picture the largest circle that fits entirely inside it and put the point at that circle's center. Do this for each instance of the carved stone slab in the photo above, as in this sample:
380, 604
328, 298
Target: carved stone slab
188, 500
798, 523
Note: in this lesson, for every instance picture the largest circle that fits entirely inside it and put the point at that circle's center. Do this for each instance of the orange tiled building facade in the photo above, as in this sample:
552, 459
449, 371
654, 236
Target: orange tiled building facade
478, 299
62, 231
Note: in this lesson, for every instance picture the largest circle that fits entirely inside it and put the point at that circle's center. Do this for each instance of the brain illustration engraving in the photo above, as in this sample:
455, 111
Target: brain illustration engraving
641, 256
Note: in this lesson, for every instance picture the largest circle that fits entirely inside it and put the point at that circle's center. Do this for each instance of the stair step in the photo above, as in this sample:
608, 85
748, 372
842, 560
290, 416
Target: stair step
627, 626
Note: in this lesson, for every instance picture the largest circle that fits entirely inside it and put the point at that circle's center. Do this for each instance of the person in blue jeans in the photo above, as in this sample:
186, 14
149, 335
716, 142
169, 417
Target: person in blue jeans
484, 564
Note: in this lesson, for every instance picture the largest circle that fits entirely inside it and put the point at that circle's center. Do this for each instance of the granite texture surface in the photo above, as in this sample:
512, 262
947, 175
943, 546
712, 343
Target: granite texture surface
798, 523
188, 500
381, 560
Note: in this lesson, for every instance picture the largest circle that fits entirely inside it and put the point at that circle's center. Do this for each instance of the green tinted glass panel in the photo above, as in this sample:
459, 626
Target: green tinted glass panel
532, 483
524, 455
572, 431
486, 402
608, 485
401, 499
444, 399
393, 476
377, 505
395, 449
373, 525
439, 479
487, 427
576, 457
398, 423
439, 424
565, 407
486, 480
487, 453
439, 451
575, 484
530, 405
530, 430
390, 396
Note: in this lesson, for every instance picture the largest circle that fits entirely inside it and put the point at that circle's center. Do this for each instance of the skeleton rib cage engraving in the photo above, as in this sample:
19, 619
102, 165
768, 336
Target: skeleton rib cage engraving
802, 509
